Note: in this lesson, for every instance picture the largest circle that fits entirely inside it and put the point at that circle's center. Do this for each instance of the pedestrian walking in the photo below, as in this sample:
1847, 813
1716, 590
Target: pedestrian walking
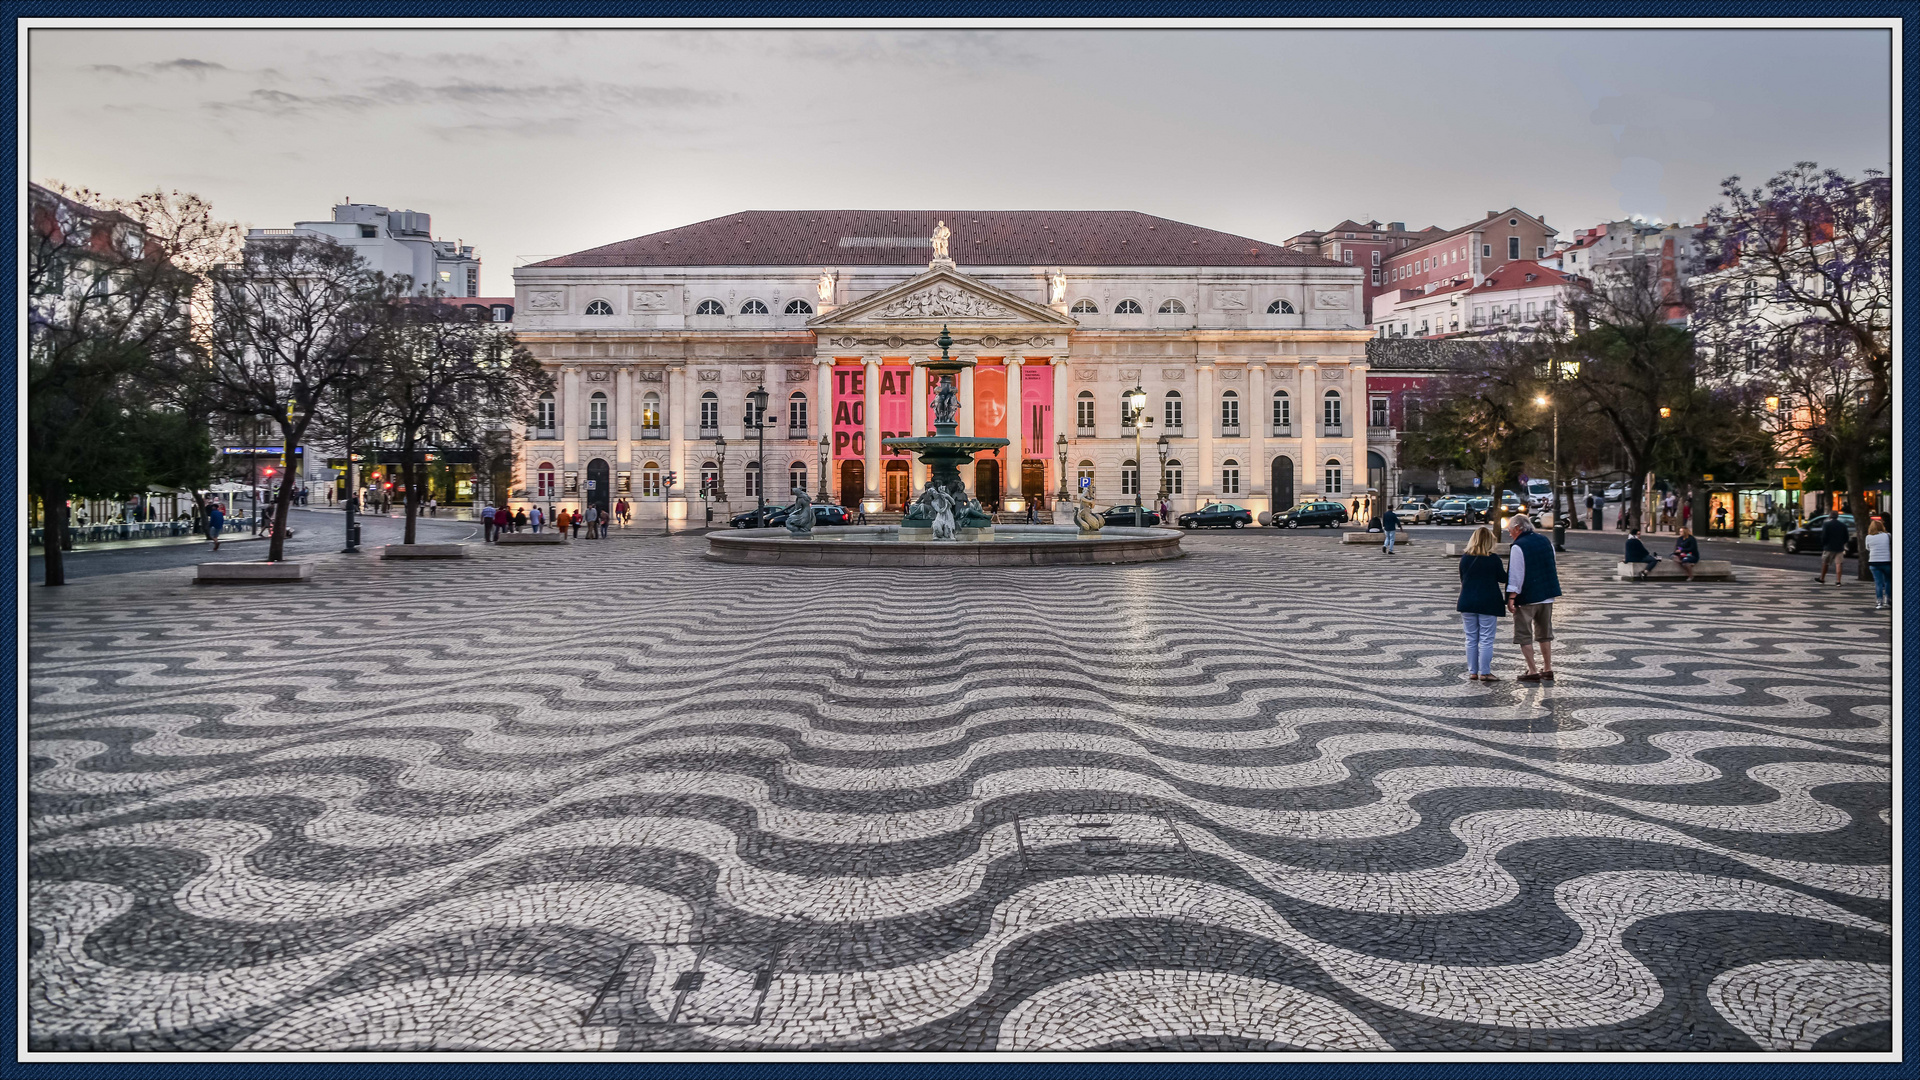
579, 519
520, 519
1481, 603
1686, 552
862, 519
1637, 553
595, 526
620, 511
536, 519
1878, 545
486, 523
1389, 524
560, 522
433, 507
1833, 549
1532, 585
216, 524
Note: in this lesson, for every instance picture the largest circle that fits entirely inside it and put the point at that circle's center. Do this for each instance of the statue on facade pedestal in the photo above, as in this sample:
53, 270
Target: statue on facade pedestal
940, 235
1084, 516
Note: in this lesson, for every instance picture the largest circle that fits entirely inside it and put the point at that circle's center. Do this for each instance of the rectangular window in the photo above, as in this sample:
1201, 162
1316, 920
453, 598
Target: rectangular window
1229, 481
752, 421
1282, 412
650, 482
1530, 311
545, 414
1175, 480
1513, 247
368, 232
1379, 408
1129, 480
1376, 258
473, 281
709, 480
1376, 277
797, 478
597, 412
709, 414
1411, 407
1171, 414
1539, 253
1333, 411
1230, 412
1333, 479
1086, 414
753, 483
797, 414
1486, 251
1084, 478
1347, 256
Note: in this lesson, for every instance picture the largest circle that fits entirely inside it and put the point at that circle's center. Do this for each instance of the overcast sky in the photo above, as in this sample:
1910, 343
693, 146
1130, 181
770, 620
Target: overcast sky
529, 143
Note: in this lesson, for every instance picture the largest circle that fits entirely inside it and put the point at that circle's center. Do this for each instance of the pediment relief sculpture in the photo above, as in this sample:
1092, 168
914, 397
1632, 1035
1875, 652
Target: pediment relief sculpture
943, 302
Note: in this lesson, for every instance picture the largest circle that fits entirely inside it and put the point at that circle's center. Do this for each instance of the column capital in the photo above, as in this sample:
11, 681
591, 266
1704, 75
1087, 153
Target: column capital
1056, 361
871, 361
1016, 361
822, 361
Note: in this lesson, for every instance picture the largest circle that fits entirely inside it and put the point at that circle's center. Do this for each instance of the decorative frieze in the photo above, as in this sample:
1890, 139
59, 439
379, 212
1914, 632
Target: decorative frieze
709, 375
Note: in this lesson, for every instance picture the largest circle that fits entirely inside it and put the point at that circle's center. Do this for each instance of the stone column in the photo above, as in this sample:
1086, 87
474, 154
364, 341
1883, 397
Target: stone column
917, 470
1311, 471
823, 425
676, 404
1208, 419
623, 420
1357, 416
1016, 428
872, 406
571, 422
1257, 425
1063, 417
966, 422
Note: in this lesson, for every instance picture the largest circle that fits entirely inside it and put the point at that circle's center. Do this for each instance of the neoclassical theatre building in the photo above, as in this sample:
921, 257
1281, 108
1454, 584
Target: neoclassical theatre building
1252, 357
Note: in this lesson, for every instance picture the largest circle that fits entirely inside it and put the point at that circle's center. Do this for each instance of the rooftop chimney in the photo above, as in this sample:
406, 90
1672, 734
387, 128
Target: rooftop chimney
1397, 226
1493, 213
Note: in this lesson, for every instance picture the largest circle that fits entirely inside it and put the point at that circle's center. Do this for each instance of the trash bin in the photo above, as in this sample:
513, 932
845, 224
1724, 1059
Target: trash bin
353, 535
1559, 536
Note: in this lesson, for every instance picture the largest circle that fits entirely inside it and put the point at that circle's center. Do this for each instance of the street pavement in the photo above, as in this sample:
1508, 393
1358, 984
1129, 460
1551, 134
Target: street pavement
615, 797
315, 532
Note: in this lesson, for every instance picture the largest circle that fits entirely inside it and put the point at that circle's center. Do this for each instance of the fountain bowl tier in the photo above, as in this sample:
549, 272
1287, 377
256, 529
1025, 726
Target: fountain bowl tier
881, 545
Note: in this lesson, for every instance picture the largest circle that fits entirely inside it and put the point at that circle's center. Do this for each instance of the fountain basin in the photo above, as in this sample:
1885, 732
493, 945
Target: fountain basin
881, 545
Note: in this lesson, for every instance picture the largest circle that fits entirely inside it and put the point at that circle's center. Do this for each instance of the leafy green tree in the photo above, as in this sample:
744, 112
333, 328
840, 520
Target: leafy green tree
1486, 418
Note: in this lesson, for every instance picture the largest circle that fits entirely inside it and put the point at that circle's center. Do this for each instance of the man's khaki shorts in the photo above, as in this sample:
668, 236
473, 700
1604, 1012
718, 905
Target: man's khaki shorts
1531, 623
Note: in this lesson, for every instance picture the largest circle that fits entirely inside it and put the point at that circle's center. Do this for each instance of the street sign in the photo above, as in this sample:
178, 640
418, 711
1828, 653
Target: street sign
1708, 477
1791, 483
591, 484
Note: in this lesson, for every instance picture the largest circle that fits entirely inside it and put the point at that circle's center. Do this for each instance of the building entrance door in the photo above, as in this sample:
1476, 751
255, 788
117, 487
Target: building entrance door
1033, 479
1282, 483
853, 482
899, 485
597, 484
986, 482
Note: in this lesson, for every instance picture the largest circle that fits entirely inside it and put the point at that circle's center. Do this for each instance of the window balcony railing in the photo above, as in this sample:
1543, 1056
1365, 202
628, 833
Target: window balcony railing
650, 432
1229, 431
1084, 432
1283, 431
1333, 431
542, 433
797, 434
596, 433
709, 433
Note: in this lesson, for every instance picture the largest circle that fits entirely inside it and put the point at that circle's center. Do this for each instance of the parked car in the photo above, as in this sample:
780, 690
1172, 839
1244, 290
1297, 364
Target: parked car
1807, 536
1323, 514
1451, 511
1479, 510
1123, 515
1415, 510
1233, 517
773, 517
1616, 491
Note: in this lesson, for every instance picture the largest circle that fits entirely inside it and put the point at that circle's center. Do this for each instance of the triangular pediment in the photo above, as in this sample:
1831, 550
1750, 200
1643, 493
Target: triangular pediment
941, 296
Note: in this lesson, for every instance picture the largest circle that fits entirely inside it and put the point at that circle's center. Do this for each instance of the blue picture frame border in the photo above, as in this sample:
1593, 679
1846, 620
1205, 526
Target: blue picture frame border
1529, 1067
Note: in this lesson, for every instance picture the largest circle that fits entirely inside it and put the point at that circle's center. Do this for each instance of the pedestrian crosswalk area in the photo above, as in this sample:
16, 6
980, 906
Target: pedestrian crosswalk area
616, 797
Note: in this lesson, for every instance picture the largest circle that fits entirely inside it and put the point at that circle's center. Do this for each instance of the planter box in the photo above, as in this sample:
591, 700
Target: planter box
1668, 570
424, 551
1399, 538
548, 537
253, 573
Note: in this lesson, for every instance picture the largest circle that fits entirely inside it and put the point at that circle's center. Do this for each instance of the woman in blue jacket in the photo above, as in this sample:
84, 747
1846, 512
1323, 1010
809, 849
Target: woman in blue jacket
1483, 583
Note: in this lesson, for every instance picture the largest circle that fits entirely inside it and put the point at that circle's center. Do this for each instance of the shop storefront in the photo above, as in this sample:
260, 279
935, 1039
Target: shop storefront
446, 475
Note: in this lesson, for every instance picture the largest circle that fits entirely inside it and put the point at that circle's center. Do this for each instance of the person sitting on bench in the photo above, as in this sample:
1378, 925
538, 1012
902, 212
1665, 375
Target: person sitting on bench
1686, 551
1637, 553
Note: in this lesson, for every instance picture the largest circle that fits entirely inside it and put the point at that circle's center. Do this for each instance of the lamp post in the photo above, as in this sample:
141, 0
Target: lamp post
353, 489
1060, 454
1559, 523
1137, 405
1164, 447
825, 448
759, 399
720, 460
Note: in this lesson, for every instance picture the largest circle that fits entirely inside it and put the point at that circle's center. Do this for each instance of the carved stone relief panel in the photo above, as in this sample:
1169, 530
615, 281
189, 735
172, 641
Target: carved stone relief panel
753, 375
546, 300
1230, 374
1130, 374
598, 375
650, 299
709, 376
1333, 301
1086, 374
1230, 299
1173, 374
795, 374
650, 375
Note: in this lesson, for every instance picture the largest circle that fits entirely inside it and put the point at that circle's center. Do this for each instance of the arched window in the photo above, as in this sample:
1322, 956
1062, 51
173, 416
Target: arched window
753, 307
1129, 478
650, 478
709, 478
753, 479
543, 481
1230, 411
1085, 307
597, 412
1280, 307
1331, 409
1126, 412
797, 414
797, 476
1170, 411
1173, 307
1282, 411
1127, 307
543, 412
1333, 486
1229, 477
1176, 483
599, 307
752, 418
709, 307
1083, 480
799, 307
1083, 412
709, 412
650, 415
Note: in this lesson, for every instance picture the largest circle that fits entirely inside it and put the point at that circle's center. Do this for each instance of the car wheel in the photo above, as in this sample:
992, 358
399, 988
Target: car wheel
1792, 548
1238, 523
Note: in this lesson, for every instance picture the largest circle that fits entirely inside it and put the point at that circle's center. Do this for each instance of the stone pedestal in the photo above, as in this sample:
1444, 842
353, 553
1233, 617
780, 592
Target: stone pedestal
253, 573
424, 551
529, 538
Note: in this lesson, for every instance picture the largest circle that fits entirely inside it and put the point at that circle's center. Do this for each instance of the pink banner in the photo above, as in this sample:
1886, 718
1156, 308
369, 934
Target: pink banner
990, 404
849, 412
1036, 411
896, 406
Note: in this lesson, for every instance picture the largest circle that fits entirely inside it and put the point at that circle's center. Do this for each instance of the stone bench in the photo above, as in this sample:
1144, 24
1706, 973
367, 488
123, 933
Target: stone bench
424, 551
1399, 537
253, 573
1457, 550
530, 538
1668, 570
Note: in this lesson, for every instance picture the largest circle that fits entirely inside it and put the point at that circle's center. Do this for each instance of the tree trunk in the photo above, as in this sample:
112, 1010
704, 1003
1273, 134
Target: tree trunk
1857, 506
277, 544
53, 501
409, 468
1636, 491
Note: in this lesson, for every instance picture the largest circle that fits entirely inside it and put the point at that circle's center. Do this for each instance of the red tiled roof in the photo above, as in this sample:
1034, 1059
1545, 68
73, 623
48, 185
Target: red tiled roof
1513, 275
980, 238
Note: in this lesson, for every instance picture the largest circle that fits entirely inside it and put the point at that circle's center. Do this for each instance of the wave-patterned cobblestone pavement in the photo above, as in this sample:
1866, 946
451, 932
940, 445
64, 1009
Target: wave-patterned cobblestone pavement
616, 797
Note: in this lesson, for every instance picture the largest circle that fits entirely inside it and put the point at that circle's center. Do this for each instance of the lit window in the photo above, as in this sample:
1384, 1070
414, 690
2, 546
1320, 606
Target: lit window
1280, 307
650, 413
799, 307
650, 478
1127, 307
1173, 307
709, 307
753, 307
599, 307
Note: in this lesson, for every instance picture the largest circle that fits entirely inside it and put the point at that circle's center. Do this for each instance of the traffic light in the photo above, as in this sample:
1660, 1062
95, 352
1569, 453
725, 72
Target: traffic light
672, 478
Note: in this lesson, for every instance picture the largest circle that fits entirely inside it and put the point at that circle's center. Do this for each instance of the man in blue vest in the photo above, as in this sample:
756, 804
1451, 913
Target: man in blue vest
1532, 583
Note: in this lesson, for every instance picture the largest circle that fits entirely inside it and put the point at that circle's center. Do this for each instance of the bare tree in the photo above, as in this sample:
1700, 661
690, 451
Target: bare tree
1486, 417
289, 324
437, 369
110, 287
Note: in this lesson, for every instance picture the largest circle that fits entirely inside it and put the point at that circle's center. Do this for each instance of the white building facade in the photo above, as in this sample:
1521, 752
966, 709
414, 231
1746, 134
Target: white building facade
1252, 358
395, 242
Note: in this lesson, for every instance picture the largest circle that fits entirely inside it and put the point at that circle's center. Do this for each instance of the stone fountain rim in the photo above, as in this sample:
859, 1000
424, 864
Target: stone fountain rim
1113, 544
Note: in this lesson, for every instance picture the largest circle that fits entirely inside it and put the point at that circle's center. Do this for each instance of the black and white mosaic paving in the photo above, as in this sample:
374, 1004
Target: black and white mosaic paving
615, 797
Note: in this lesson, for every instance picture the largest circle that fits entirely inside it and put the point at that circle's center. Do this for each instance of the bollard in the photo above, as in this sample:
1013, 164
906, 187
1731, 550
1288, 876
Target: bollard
1559, 537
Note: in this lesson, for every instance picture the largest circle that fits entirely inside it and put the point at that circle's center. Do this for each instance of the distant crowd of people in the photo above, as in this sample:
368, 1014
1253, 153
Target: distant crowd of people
495, 521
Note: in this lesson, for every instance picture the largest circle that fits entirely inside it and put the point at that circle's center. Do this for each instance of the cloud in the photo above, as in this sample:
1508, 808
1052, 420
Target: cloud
181, 66
516, 105
950, 50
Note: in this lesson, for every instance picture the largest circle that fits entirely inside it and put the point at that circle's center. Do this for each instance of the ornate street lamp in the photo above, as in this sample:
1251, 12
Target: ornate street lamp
1137, 405
1060, 453
1163, 446
720, 462
759, 400
825, 447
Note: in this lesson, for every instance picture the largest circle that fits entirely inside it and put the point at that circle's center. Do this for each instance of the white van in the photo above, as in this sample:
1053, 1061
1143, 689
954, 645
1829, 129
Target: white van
1539, 493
